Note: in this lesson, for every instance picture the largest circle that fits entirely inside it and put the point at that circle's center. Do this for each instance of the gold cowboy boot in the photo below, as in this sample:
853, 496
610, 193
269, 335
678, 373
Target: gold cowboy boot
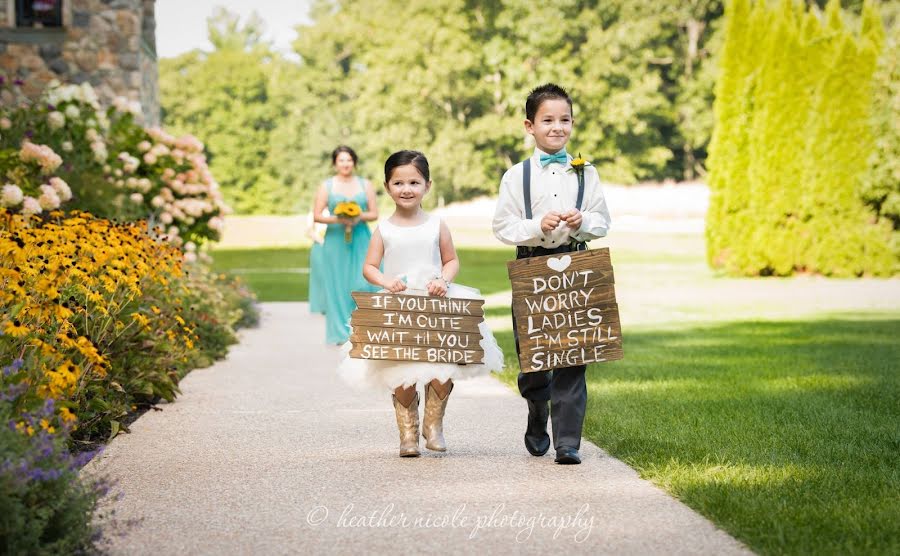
408, 423
433, 420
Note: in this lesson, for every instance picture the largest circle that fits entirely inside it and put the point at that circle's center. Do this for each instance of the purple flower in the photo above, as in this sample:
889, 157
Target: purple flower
18, 82
51, 107
29, 133
2, 80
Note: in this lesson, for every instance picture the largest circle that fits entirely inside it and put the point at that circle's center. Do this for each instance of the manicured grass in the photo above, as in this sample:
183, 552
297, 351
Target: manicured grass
785, 434
266, 270
274, 274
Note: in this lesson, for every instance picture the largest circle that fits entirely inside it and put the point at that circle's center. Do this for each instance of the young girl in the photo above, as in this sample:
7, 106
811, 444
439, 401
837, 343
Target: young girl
419, 259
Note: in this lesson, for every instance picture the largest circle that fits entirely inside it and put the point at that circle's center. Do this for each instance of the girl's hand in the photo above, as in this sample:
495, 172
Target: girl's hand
394, 285
348, 221
550, 221
437, 287
573, 218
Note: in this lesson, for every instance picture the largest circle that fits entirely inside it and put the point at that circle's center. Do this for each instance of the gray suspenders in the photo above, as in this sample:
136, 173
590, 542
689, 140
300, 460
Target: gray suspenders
526, 188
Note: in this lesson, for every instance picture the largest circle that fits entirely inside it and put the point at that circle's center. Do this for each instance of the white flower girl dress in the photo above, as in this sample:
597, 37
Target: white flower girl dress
413, 253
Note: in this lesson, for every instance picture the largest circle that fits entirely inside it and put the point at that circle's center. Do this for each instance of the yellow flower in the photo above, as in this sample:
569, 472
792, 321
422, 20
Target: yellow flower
577, 165
348, 209
141, 319
155, 309
15, 328
67, 415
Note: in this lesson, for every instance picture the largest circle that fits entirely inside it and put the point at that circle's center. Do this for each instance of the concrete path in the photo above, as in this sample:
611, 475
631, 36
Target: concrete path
268, 452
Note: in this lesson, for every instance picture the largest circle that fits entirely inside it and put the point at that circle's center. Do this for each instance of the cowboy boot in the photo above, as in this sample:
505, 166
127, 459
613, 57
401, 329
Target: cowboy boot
433, 419
408, 423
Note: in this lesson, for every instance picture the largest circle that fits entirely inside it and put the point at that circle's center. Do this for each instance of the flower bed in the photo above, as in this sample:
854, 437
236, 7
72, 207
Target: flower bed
101, 312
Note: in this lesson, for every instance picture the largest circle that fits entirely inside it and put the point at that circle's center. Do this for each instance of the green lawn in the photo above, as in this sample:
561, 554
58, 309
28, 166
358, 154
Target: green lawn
274, 274
784, 432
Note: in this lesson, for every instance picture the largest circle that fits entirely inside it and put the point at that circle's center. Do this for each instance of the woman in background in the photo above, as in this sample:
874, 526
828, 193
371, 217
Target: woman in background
346, 241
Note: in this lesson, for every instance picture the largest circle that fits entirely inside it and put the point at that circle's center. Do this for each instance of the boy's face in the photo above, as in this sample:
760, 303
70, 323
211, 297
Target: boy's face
552, 125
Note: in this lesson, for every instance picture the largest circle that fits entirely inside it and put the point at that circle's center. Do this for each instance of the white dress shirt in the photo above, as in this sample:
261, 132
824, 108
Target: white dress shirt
553, 188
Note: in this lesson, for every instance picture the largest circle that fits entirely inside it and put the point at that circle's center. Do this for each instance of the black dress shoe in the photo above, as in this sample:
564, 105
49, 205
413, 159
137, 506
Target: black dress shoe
568, 456
537, 441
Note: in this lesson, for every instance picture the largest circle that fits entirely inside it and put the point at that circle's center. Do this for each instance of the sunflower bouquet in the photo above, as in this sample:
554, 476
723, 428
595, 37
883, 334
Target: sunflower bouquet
348, 209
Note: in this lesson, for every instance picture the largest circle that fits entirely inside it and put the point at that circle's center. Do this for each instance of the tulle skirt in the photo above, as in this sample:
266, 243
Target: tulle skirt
381, 374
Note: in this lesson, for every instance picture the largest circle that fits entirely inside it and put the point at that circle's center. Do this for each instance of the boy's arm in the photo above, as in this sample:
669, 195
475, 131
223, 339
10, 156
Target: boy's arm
595, 216
510, 225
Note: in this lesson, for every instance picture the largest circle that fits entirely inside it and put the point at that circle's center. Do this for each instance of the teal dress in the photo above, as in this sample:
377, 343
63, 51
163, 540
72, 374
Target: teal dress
342, 262
317, 280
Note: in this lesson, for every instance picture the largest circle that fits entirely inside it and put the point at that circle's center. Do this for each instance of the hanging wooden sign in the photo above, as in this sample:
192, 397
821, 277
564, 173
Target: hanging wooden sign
564, 310
403, 327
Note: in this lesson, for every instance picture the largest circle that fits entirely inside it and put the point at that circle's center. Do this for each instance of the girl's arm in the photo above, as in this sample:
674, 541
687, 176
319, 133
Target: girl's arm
320, 205
449, 264
370, 215
371, 271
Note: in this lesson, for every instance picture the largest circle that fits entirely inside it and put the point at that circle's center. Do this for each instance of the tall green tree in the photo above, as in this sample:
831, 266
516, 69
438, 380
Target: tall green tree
224, 98
789, 154
453, 83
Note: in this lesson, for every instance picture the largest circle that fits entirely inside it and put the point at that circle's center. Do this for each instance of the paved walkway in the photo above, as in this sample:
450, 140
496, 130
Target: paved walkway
268, 453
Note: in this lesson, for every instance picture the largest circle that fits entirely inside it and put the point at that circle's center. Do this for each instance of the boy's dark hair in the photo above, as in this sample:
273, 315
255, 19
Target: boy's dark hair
344, 149
547, 91
402, 158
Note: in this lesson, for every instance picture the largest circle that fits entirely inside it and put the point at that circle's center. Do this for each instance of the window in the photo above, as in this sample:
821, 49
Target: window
39, 13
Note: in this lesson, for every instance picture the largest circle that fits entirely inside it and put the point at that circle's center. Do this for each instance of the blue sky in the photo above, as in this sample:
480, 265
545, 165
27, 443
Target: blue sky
181, 24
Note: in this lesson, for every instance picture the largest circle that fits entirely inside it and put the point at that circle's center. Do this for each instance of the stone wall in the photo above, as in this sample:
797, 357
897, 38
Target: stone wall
109, 43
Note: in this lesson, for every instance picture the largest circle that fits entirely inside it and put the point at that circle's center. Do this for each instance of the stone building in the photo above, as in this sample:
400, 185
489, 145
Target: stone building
109, 43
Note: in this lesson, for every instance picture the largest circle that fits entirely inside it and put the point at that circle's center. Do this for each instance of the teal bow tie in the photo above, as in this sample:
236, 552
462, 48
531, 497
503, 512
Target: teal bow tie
559, 157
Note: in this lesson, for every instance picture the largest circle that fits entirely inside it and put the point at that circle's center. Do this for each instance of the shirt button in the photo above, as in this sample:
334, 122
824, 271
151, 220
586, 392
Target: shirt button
542, 240
553, 242
554, 194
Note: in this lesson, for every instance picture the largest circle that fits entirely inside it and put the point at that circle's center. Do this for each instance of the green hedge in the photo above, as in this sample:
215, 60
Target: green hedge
789, 155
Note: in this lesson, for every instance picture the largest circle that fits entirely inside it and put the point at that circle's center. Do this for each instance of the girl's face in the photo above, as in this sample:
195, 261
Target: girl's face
407, 186
343, 164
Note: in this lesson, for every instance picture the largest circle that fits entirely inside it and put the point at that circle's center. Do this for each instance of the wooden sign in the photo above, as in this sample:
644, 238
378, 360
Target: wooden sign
564, 310
416, 328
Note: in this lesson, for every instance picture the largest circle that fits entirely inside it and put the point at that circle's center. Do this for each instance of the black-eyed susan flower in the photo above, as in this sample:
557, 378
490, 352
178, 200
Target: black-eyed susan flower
15, 328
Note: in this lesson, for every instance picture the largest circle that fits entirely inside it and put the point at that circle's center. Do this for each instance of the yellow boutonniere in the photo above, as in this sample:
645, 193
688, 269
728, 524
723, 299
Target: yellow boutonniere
578, 163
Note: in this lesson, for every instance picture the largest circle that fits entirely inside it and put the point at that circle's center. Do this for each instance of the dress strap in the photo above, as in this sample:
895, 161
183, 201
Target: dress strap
362, 183
329, 183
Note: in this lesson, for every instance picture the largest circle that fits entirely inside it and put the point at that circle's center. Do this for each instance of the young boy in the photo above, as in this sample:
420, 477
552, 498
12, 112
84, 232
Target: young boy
542, 212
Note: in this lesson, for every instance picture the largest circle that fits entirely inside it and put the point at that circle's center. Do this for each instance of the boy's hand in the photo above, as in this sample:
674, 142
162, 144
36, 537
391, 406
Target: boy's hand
394, 285
550, 221
573, 218
436, 287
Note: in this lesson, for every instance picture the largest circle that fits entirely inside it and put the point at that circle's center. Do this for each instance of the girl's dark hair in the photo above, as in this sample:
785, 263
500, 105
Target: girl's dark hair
344, 149
538, 95
402, 158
